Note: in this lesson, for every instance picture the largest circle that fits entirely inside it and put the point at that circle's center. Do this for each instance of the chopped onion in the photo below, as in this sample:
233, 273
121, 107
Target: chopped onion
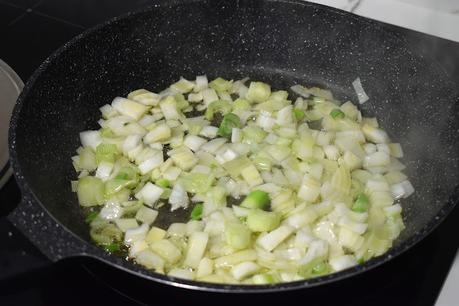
300, 90
150, 193
402, 190
194, 142
178, 198
136, 234
201, 83
361, 94
104, 170
129, 108
151, 163
343, 262
209, 131
279, 191
90, 139
111, 211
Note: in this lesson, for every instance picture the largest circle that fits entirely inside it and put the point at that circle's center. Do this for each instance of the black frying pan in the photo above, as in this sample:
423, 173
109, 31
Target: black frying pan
280, 42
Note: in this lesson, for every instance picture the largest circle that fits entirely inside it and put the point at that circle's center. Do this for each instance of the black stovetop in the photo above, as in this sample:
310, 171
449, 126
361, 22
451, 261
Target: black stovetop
29, 31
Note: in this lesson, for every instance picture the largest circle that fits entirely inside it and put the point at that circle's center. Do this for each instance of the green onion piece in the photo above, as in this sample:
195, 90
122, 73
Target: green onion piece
106, 152
122, 176
115, 185
299, 114
128, 173
196, 213
87, 159
216, 196
163, 183
183, 86
258, 92
254, 133
263, 163
361, 260
131, 210
320, 269
256, 199
235, 166
181, 101
266, 278
279, 96
337, 113
90, 191
318, 100
316, 264
238, 235
220, 84
166, 193
105, 233
196, 182
112, 247
91, 216
106, 132
221, 106
120, 196
241, 104
361, 203
262, 221
229, 122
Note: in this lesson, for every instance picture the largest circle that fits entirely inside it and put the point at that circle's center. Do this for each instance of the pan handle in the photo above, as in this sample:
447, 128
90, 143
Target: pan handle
49, 237
19, 256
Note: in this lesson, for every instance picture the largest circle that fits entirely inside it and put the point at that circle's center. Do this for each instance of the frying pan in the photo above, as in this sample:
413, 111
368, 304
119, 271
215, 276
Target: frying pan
276, 41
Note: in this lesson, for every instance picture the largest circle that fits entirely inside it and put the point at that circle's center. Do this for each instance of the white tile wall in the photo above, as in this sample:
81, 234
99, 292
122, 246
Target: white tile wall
447, 6
435, 17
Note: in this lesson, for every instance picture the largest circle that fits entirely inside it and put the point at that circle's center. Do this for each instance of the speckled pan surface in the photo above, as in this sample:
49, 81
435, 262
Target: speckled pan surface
280, 42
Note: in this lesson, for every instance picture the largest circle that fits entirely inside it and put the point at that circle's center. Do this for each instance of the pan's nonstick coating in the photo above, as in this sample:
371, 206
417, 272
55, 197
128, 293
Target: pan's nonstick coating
279, 42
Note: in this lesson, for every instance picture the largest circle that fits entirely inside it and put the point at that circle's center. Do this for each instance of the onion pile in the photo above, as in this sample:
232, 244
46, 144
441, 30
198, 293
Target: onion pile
279, 186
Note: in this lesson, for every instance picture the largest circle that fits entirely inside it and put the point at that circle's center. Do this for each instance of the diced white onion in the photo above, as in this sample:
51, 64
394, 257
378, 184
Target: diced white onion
402, 190
146, 215
136, 234
151, 163
361, 94
300, 90
104, 170
275, 237
178, 198
181, 273
126, 224
90, 139
209, 131
194, 142
201, 83
244, 269
111, 211
343, 262
150, 193
236, 135
213, 145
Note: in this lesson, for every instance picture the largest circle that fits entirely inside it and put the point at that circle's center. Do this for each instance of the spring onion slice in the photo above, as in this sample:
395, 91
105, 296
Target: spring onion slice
271, 185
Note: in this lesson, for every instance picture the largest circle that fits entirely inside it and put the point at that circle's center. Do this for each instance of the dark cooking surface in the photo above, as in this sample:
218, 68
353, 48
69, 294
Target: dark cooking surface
411, 279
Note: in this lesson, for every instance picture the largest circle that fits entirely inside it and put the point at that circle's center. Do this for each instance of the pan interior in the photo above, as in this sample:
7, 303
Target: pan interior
282, 43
